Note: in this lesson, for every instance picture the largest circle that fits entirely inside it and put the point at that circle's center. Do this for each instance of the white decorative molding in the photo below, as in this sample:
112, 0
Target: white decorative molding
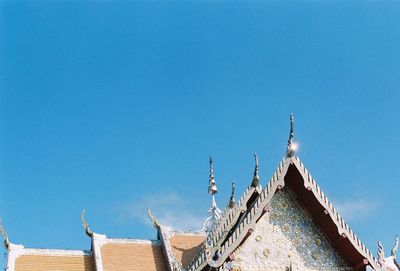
165, 234
13, 252
98, 240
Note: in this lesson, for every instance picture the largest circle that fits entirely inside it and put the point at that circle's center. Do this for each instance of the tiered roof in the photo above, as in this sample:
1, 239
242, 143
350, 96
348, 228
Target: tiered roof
223, 232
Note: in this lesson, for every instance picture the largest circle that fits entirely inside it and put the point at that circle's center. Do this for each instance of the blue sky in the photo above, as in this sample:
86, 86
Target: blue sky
116, 106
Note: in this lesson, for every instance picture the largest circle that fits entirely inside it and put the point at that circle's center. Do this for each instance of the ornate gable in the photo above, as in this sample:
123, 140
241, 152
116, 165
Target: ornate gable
226, 243
286, 237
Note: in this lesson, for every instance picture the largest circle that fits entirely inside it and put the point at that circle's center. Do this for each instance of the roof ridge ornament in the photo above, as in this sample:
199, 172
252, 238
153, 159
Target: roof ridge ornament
212, 187
214, 212
291, 146
396, 245
232, 199
4, 234
153, 219
86, 225
256, 178
381, 253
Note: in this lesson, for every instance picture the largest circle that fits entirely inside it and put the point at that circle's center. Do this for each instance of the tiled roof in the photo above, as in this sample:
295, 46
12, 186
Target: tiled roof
51, 263
186, 246
140, 256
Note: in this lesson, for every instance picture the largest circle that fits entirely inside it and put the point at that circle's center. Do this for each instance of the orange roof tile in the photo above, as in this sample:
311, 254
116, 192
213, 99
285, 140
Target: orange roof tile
133, 256
186, 246
51, 263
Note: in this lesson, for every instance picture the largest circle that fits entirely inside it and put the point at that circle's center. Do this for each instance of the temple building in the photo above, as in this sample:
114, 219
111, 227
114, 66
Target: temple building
287, 225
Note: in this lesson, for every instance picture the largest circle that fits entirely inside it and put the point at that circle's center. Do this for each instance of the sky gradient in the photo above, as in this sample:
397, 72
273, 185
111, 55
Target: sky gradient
116, 106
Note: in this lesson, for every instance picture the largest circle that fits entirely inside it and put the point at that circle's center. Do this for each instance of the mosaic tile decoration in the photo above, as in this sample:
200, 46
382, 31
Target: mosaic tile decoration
285, 238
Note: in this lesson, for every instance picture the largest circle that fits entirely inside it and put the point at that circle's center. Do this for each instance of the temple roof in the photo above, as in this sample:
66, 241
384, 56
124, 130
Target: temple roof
216, 244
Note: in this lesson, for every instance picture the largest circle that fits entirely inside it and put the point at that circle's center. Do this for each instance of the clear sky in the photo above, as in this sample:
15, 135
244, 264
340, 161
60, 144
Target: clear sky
116, 106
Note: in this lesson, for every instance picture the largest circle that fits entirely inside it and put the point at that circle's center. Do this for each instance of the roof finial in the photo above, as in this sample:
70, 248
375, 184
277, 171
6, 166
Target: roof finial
232, 199
153, 219
212, 188
214, 212
85, 225
291, 146
381, 253
256, 178
5, 236
396, 245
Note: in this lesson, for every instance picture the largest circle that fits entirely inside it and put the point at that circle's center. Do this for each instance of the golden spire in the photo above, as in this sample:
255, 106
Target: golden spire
85, 225
256, 178
291, 146
232, 200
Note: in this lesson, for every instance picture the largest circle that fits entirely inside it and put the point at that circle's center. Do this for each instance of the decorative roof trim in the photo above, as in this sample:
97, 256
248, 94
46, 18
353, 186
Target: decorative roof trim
214, 241
86, 225
153, 219
395, 247
343, 227
4, 234
13, 252
164, 234
98, 240
246, 227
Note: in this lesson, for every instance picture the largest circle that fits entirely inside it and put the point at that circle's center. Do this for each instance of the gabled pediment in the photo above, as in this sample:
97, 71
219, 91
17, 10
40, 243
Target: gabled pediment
292, 176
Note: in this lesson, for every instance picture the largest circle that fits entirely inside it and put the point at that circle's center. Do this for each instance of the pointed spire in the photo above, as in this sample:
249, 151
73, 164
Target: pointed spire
85, 225
256, 178
396, 246
214, 212
4, 234
212, 188
232, 199
291, 146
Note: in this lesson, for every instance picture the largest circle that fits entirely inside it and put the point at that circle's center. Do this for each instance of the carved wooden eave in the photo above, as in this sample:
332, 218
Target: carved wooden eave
231, 231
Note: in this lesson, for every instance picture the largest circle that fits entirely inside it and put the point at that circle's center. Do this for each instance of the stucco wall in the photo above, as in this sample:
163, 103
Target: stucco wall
287, 236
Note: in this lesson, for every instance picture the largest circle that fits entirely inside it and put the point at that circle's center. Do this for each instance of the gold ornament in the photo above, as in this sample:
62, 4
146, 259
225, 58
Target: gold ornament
266, 252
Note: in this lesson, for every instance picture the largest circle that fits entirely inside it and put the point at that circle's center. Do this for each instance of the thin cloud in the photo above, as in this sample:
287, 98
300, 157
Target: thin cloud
359, 209
169, 208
